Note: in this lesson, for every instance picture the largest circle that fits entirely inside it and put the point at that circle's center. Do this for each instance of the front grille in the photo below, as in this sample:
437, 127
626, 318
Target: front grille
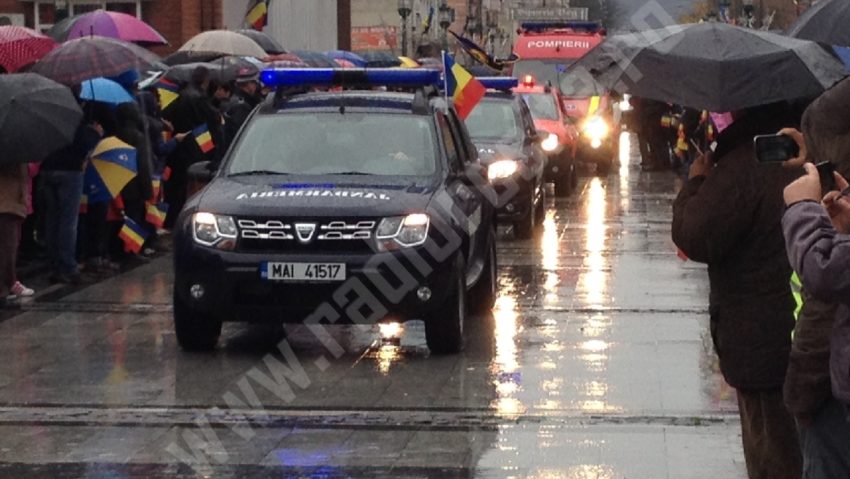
274, 235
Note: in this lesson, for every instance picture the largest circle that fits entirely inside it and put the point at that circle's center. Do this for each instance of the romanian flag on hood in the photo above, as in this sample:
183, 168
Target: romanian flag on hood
203, 138
133, 235
461, 87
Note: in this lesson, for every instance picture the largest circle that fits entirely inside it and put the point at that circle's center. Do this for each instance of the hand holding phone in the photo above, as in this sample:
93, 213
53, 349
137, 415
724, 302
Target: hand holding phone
826, 170
775, 148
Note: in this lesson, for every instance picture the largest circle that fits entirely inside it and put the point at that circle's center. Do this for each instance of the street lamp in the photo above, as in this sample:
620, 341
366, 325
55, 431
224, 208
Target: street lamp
404, 9
446, 16
492, 17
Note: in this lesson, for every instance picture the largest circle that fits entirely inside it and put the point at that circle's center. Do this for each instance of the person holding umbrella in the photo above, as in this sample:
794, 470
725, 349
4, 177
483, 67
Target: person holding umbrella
13, 210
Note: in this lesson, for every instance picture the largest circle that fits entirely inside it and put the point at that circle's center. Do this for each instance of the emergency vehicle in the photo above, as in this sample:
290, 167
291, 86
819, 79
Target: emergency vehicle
546, 50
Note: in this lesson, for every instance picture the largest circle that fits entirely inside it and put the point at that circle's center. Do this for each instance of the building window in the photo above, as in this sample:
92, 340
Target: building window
45, 11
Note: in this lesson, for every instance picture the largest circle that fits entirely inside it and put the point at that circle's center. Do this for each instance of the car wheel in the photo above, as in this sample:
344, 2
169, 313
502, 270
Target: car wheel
195, 331
444, 325
540, 214
524, 227
483, 294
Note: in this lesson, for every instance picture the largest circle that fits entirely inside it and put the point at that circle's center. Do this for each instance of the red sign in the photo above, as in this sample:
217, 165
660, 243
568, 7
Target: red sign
569, 46
374, 38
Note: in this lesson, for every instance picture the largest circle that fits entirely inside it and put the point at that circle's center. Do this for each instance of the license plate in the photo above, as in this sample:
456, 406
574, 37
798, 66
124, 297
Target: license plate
302, 271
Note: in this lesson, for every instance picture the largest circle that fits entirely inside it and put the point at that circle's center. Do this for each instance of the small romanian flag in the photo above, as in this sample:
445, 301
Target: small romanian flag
203, 138
257, 16
156, 187
133, 235
462, 87
155, 213
167, 91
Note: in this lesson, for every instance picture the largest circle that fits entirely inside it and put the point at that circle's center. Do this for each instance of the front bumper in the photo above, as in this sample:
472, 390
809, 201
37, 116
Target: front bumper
514, 196
601, 154
234, 290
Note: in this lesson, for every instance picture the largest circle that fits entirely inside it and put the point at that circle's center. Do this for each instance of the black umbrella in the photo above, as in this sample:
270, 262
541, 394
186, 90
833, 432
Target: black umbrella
37, 117
826, 22
59, 30
315, 59
85, 58
264, 40
712, 66
183, 57
223, 70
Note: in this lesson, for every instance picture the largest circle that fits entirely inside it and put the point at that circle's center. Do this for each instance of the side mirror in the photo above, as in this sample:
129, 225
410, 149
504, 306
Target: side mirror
199, 175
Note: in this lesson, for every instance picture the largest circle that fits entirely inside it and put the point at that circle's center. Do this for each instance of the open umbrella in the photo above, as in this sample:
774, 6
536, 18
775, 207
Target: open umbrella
314, 59
37, 117
712, 66
59, 30
223, 42
224, 70
264, 40
114, 25
104, 91
91, 57
352, 57
826, 21
21, 46
112, 166
380, 59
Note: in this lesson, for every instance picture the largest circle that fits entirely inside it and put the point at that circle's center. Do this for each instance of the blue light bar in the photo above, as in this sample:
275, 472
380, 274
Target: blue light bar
498, 83
362, 77
540, 26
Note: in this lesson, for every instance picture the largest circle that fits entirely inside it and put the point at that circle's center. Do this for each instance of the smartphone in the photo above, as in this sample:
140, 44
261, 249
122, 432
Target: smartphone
826, 172
774, 148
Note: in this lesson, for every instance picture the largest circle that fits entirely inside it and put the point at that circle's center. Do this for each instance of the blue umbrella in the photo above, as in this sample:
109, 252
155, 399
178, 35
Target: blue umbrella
103, 90
354, 58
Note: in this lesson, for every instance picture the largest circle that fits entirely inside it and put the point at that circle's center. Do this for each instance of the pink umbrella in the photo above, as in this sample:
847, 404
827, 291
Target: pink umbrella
21, 46
115, 25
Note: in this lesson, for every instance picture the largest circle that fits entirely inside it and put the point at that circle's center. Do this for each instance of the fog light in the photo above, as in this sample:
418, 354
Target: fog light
197, 291
423, 293
510, 207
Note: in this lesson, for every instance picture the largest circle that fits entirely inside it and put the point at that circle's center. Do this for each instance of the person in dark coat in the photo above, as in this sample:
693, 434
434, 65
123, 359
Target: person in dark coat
728, 216
191, 110
246, 96
822, 419
139, 190
652, 137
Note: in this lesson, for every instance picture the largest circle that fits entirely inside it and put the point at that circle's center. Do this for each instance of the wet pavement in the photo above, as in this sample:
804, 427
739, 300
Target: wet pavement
596, 363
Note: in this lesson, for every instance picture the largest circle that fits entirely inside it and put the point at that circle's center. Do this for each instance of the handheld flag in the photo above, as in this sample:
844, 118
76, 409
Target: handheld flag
155, 213
476, 52
133, 235
429, 20
203, 138
112, 166
167, 91
156, 187
462, 87
257, 17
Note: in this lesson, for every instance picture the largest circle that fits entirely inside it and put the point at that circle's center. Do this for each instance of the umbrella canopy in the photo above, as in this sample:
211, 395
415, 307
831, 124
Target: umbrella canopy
112, 166
180, 58
826, 22
91, 57
104, 91
380, 59
314, 59
711, 66
223, 42
21, 46
264, 40
224, 70
59, 30
37, 117
352, 57
113, 25
284, 60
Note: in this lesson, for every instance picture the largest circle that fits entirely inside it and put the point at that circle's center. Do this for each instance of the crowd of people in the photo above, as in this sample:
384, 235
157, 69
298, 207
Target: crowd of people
47, 214
762, 227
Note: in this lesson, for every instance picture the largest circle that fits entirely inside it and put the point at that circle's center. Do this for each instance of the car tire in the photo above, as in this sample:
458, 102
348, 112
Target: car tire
195, 331
482, 297
444, 325
524, 227
540, 215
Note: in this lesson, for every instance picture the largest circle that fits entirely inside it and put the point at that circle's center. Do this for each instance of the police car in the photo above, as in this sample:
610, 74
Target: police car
360, 206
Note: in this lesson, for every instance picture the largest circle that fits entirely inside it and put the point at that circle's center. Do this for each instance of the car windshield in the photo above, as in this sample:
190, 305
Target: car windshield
542, 106
556, 72
493, 120
333, 143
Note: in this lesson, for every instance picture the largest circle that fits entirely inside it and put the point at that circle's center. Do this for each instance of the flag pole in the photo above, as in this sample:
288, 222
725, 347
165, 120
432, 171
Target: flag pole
445, 76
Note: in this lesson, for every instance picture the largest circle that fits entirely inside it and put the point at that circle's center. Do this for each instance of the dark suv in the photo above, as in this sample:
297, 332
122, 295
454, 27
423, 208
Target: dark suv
503, 129
360, 206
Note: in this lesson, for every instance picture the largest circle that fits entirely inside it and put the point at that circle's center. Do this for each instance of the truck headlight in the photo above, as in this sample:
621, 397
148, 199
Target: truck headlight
402, 231
596, 128
550, 143
214, 230
502, 169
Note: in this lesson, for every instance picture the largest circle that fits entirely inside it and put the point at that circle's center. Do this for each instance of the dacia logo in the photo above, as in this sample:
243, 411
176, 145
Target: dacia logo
305, 231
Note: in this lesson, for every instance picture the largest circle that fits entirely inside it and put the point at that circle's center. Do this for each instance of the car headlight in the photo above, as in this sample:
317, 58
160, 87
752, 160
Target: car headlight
597, 128
501, 169
402, 231
550, 143
214, 230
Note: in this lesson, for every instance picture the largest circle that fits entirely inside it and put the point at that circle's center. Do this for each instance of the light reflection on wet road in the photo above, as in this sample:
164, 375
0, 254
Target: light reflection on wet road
595, 363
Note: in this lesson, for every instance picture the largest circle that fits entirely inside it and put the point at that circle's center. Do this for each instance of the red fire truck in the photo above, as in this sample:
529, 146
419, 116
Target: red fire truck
546, 50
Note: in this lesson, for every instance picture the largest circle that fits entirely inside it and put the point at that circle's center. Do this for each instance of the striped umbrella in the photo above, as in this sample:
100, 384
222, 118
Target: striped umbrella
21, 46
85, 58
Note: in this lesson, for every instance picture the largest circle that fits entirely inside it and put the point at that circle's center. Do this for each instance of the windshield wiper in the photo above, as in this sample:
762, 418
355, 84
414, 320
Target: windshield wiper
351, 173
258, 172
